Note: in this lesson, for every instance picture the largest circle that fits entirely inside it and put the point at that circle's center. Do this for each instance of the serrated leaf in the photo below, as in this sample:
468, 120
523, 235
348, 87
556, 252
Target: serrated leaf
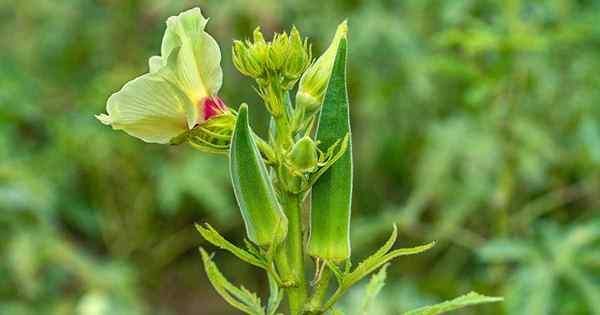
381, 257
212, 236
468, 299
332, 193
263, 217
240, 298
373, 288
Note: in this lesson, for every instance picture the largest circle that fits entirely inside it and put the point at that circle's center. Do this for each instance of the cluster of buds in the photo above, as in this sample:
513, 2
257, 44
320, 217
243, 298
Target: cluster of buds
284, 59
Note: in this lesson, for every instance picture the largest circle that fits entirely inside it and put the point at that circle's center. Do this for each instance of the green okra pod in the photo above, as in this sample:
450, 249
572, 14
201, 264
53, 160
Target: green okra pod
332, 193
264, 219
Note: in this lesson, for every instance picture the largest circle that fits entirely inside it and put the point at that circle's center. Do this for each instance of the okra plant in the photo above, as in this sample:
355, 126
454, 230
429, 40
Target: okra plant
301, 168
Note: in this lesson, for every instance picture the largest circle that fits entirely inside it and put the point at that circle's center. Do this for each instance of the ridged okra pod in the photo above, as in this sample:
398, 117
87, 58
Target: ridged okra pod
263, 217
332, 193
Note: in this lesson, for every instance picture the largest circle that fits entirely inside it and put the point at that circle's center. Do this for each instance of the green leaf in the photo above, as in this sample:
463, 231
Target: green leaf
264, 219
373, 288
240, 298
212, 236
275, 296
471, 298
381, 257
332, 193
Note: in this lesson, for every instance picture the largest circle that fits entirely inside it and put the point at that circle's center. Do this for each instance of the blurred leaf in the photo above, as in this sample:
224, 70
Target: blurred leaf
468, 299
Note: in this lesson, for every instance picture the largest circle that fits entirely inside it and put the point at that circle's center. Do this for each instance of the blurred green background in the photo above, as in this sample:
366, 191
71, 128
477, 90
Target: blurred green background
476, 123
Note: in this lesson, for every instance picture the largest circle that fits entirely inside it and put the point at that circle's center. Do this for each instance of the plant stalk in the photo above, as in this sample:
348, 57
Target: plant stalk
293, 252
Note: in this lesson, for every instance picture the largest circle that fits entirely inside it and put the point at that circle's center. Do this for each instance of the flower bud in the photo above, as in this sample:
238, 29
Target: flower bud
245, 61
250, 58
304, 156
298, 59
278, 52
314, 81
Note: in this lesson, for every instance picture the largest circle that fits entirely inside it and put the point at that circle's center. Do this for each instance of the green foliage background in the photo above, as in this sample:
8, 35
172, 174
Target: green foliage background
476, 123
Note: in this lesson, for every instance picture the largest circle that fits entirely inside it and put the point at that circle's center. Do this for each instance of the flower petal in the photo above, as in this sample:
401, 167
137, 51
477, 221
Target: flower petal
155, 63
198, 65
150, 108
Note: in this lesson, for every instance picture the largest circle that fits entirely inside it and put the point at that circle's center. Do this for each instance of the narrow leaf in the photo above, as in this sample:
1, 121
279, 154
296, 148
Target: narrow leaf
375, 261
373, 288
471, 298
212, 236
332, 193
275, 296
240, 298
264, 219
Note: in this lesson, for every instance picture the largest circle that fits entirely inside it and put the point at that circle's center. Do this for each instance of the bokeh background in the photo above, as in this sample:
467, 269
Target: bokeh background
476, 123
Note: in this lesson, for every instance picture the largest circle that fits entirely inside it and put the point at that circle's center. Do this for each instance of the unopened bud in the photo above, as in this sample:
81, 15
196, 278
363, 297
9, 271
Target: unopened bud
298, 58
245, 60
313, 83
304, 156
250, 58
278, 52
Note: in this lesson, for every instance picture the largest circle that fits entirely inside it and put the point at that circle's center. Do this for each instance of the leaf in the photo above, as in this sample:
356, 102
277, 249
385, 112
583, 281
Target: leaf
381, 257
275, 296
373, 288
212, 236
332, 193
523, 296
471, 298
507, 250
240, 298
264, 219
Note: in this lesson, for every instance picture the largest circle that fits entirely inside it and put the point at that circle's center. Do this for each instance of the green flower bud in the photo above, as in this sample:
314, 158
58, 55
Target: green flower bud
250, 58
260, 48
314, 81
304, 156
245, 61
298, 59
278, 52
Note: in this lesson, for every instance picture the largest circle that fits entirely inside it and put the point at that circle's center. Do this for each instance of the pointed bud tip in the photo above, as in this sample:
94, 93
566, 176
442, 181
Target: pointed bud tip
342, 29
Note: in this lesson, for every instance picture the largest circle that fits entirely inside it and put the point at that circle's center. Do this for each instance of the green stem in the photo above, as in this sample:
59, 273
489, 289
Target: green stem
293, 253
314, 305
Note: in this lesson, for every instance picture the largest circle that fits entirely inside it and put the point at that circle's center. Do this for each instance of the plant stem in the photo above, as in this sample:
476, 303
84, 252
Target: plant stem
293, 252
314, 305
